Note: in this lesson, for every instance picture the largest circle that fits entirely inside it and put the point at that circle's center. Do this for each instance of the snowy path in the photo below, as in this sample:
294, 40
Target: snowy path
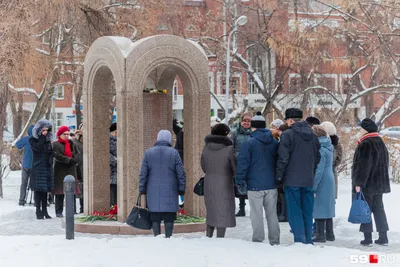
43, 243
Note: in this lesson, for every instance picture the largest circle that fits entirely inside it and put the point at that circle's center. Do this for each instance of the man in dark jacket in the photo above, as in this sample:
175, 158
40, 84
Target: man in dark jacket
239, 136
298, 158
256, 168
113, 164
24, 144
370, 173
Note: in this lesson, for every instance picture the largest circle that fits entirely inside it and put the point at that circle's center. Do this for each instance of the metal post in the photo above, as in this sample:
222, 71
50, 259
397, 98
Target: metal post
227, 75
69, 191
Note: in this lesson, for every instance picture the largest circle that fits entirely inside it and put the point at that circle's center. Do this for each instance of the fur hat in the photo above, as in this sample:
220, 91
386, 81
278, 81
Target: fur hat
62, 130
284, 127
329, 127
319, 131
369, 125
164, 135
276, 124
293, 113
41, 124
313, 121
113, 127
220, 129
258, 121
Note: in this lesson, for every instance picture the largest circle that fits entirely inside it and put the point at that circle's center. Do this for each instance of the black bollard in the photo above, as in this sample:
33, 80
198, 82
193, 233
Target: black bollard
69, 191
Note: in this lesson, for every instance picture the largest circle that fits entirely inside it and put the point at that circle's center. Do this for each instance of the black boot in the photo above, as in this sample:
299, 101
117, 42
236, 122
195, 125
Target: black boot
209, 231
43, 201
242, 204
367, 239
382, 240
81, 205
39, 215
169, 228
330, 236
320, 232
221, 232
156, 228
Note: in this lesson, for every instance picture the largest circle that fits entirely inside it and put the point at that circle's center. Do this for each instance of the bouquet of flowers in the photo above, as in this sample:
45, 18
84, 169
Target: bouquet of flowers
111, 215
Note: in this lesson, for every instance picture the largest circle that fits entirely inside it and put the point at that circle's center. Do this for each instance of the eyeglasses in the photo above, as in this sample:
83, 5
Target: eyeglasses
247, 121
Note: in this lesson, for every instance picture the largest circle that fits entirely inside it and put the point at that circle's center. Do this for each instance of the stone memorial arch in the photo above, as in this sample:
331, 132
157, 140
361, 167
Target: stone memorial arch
129, 65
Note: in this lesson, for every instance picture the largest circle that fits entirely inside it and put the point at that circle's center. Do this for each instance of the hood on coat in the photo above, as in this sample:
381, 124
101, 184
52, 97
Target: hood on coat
325, 142
30, 130
216, 142
162, 143
37, 129
263, 135
303, 130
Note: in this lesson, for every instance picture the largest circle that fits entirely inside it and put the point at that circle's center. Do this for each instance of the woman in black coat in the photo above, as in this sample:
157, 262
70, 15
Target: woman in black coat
42, 176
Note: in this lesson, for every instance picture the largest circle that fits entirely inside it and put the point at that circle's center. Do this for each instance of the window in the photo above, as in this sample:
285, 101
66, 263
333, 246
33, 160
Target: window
175, 91
59, 92
59, 119
256, 64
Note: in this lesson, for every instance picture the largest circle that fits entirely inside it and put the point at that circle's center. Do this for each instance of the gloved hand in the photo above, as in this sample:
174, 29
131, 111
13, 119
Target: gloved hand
181, 193
278, 180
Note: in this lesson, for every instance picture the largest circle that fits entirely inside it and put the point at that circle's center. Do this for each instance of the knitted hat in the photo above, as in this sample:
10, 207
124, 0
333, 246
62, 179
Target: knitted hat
113, 127
164, 135
313, 121
220, 129
276, 124
329, 127
62, 130
258, 121
369, 125
319, 130
293, 113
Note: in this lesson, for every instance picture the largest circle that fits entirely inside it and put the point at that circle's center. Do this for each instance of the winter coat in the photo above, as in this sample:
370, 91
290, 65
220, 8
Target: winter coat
298, 156
324, 182
337, 159
239, 136
42, 176
63, 166
162, 177
113, 159
179, 144
23, 143
218, 162
79, 147
370, 168
257, 161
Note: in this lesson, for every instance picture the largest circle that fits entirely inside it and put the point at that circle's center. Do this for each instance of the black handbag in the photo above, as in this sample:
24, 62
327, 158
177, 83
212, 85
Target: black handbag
139, 217
199, 187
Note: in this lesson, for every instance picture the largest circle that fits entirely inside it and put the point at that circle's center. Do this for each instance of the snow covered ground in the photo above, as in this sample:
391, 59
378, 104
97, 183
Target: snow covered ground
24, 241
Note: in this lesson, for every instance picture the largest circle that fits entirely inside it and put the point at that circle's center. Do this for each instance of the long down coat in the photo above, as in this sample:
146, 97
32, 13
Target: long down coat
218, 162
63, 167
324, 182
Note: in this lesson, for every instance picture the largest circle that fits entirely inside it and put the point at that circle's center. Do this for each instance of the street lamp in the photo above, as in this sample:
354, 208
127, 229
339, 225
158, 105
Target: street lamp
242, 20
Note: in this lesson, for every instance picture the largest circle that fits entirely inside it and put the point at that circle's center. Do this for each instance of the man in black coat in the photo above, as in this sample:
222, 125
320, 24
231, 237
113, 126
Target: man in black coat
298, 158
370, 173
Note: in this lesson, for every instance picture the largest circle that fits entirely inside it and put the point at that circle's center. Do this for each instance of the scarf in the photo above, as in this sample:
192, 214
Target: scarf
67, 150
367, 136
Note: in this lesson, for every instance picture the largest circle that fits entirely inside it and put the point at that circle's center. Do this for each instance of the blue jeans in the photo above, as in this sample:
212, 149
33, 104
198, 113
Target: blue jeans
300, 204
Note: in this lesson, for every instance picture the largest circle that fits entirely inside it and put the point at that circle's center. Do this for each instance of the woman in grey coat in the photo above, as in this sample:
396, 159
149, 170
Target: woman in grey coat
218, 162
163, 179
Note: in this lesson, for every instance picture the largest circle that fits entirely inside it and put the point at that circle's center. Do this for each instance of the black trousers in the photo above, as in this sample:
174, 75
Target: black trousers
242, 202
375, 203
113, 194
59, 205
40, 202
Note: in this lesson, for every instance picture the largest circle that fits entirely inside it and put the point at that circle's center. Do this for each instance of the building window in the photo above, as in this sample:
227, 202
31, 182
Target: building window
175, 91
256, 64
201, 3
59, 92
59, 119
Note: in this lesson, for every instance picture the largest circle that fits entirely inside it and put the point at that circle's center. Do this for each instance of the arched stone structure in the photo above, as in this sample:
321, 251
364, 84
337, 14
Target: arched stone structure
130, 64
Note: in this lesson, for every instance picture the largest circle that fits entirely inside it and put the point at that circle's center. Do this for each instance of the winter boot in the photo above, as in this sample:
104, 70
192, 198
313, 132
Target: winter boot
367, 239
39, 215
320, 232
169, 228
44, 208
156, 228
330, 236
209, 231
382, 240
221, 232
81, 205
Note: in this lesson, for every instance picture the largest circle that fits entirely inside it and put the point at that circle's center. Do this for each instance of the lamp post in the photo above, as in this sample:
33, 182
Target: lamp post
242, 20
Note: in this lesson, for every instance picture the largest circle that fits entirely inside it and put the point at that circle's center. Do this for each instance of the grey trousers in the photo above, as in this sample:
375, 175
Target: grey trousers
264, 200
24, 184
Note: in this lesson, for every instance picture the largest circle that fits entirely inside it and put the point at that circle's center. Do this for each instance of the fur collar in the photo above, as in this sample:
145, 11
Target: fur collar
218, 139
37, 129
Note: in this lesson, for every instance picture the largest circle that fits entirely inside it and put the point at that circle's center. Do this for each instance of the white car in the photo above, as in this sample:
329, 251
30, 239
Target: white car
393, 132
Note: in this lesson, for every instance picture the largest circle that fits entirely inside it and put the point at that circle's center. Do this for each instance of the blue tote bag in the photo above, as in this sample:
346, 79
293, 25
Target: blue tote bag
360, 211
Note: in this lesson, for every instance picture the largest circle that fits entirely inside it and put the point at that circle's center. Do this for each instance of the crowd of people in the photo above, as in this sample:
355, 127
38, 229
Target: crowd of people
286, 171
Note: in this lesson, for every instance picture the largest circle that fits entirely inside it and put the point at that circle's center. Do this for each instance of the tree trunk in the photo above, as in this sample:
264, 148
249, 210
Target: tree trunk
4, 99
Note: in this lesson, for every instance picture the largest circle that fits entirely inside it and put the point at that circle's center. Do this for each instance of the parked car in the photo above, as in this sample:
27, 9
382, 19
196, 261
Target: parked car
393, 132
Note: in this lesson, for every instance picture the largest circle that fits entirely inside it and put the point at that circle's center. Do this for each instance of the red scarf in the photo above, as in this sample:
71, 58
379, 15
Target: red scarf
367, 136
67, 150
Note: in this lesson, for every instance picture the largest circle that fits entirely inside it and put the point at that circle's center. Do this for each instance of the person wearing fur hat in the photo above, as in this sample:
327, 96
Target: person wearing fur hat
281, 205
313, 121
42, 176
298, 158
256, 168
78, 142
66, 158
162, 179
370, 173
113, 164
239, 136
337, 150
218, 162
